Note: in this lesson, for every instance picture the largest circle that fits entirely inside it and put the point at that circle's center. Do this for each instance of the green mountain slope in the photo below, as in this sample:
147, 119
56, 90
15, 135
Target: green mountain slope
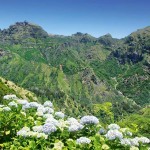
8, 87
77, 71
134, 82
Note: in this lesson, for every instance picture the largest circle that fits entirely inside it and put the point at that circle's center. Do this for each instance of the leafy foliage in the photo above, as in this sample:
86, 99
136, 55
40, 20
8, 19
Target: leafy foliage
139, 123
41, 127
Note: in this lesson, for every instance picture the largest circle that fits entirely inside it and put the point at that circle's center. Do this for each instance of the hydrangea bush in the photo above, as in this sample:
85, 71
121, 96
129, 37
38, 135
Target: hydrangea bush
30, 125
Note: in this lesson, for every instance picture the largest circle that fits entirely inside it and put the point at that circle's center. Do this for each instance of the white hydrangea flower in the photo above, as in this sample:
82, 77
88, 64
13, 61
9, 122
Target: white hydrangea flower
42, 135
39, 113
114, 127
40, 105
10, 97
14, 104
113, 134
23, 132
75, 127
48, 128
6, 108
32, 134
26, 106
41, 109
143, 140
60, 114
48, 116
134, 142
22, 101
49, 110
125, 141
89, 120
83, 140
30, 105
37, 128
62, 124
26, 128
72, 121
52, 121
48, 104
34, 104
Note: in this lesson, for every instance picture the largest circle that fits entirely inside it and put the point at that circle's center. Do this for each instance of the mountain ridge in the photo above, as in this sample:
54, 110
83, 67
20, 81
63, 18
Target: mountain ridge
79, 71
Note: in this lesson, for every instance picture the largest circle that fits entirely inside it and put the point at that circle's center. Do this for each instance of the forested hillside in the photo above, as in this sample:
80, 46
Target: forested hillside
73, 92
79, 72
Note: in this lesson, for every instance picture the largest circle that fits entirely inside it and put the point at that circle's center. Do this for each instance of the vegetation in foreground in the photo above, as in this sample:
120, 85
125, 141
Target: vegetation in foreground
31, 125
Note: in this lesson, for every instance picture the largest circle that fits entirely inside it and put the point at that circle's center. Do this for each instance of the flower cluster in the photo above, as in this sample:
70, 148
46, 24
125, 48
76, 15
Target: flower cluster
37, 128
53, 121
89, 120
42, 123
143, 140
13, 104
10, 97
48, 104
22, 101
135, 141
34, 105
74, 125
25, 133
113, 127
72, 121
113, 134
49, 128
60, 114
44, 110
62, 124
83, 140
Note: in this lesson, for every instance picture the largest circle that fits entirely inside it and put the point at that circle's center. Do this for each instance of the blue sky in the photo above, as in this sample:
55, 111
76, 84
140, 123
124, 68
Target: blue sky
66, 17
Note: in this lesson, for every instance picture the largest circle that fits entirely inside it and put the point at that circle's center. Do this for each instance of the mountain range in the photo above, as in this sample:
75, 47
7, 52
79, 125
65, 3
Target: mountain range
79, 73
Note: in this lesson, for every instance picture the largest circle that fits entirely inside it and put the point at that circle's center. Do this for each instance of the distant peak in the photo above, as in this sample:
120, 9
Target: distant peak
25, 23
22, 23
80, 34
23, 30
108, 35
